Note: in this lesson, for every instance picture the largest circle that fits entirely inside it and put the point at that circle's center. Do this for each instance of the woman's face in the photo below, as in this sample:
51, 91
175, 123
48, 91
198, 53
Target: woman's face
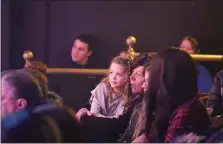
145, 84
186, 46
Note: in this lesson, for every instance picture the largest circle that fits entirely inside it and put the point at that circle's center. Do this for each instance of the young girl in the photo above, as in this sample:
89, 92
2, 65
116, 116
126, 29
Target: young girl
110, 98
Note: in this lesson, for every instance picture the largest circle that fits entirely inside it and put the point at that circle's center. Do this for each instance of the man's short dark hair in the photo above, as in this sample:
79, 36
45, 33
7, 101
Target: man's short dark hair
143, 59
88, 39
24, 85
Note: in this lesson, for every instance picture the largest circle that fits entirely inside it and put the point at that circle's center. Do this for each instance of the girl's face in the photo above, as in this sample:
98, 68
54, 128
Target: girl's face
117, 76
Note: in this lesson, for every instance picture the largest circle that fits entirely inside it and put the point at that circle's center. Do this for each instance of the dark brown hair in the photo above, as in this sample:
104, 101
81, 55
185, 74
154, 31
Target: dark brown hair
173, 81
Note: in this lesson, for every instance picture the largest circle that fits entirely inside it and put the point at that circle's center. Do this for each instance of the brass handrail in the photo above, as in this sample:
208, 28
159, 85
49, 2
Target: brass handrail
130, 41
197, 57
77, 71
207, 57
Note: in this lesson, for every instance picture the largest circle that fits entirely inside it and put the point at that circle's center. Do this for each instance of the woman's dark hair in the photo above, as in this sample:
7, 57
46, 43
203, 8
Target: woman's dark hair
143, 59
172, 82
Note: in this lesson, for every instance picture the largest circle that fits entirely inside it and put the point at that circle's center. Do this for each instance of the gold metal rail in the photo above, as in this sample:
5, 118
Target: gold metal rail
77, 71
130, 41
198, 57
207, 57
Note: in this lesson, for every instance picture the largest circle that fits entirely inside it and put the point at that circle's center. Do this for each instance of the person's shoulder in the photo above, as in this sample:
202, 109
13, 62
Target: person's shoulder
220, 74
103, 86
189, 105
99, 92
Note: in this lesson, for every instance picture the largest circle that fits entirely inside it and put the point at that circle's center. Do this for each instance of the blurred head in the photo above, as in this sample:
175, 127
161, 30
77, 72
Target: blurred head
25, 127
39, 70
19, 90
53, 125
36, 65
123, 53
119, 72
137, 77
66, 120
82, 49
172, 81
190, 45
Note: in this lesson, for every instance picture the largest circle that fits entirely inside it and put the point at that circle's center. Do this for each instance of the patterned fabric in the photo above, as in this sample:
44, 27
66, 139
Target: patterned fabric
189, 117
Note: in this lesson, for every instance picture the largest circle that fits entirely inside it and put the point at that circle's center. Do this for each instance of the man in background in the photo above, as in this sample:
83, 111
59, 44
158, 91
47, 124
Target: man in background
81, 51
76, 89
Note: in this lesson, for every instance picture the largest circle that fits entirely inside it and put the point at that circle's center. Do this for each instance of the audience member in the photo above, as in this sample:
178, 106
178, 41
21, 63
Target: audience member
77, 87
215, 99
47, 125
171, 106
81, 50
39, 71
190, 45
128, 134
19, 91
100, 129
111, 98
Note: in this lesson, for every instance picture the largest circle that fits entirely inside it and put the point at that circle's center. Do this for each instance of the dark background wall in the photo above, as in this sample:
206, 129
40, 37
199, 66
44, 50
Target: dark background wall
48, 27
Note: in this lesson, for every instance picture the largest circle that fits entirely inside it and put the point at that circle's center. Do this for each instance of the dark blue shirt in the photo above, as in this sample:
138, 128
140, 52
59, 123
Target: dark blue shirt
204, 80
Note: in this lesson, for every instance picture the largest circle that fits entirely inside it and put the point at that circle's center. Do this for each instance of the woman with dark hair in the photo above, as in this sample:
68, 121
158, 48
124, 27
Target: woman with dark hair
171, 106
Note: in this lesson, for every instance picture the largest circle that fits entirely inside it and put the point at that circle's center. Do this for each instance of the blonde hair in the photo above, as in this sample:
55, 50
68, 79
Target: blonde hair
126, 63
